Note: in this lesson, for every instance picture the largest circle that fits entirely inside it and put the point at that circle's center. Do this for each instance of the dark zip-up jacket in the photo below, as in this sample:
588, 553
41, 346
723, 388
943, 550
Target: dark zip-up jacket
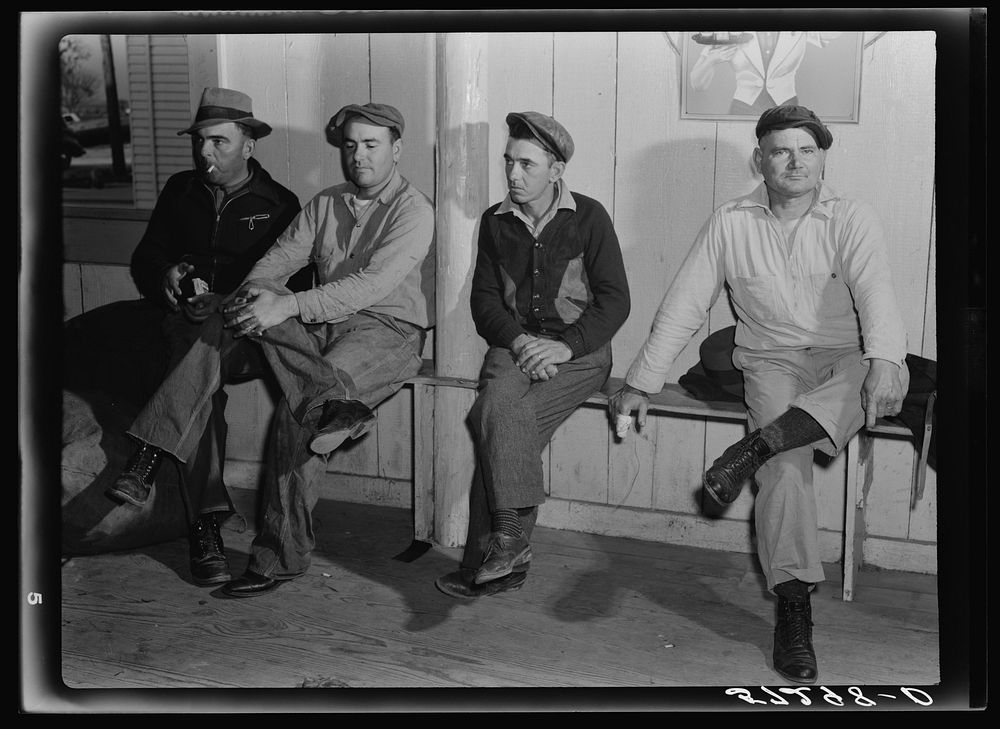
224, 246
570, 284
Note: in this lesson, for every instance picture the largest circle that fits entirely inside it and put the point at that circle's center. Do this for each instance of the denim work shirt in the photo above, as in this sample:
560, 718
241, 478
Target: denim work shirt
382, 261
828, 285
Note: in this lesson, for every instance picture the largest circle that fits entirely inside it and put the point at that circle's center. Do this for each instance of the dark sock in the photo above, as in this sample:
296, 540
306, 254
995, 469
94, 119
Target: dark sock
793, 429
506, 521
792, 590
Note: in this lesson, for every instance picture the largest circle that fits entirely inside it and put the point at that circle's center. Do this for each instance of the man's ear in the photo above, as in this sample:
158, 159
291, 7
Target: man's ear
248, 147
758, 158
556, 170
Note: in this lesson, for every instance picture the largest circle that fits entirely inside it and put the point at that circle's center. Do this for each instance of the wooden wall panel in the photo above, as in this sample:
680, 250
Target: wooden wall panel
584, 101
579, 453
402, 72
632, 465
514, 59
887, 159
243, 67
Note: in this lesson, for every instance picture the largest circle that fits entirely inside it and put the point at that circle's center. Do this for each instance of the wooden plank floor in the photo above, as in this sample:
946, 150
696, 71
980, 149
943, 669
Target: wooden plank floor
594, 612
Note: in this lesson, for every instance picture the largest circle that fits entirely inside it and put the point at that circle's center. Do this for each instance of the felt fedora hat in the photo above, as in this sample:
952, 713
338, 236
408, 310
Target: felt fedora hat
218, 106
715, 377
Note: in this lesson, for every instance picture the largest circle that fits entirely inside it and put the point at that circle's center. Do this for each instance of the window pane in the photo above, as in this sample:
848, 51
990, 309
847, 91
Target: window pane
96, 116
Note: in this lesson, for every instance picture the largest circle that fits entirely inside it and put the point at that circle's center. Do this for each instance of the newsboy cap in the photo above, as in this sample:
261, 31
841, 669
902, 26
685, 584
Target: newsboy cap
381, 115
552, 135
218, 106
790, 116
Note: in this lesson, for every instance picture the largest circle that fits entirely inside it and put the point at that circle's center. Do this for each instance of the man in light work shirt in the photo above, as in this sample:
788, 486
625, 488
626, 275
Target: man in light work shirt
819, 339
337, 350
548, 292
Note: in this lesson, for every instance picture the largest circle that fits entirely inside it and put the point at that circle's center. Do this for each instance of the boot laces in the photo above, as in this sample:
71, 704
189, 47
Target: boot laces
796, 624
207, 536
144, 461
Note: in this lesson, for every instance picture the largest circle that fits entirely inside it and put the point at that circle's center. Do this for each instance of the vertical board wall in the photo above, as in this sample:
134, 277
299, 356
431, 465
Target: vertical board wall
659, 176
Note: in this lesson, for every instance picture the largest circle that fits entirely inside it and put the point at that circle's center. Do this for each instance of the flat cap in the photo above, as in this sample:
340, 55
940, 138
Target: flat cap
381, 115
551, 134
790, 116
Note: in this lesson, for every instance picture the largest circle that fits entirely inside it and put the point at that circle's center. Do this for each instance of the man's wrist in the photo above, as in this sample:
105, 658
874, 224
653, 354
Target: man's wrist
635, 390
292, 306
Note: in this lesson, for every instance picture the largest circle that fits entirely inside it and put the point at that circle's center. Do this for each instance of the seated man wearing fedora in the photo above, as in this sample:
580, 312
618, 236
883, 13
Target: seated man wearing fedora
819, 340
337, 350
548, 292
209, 227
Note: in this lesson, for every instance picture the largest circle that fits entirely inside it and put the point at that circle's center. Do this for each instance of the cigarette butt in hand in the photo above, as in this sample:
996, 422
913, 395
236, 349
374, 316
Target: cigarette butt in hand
622, 425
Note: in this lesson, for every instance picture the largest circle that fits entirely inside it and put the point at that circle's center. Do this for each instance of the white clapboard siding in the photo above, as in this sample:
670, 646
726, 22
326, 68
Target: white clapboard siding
161, 106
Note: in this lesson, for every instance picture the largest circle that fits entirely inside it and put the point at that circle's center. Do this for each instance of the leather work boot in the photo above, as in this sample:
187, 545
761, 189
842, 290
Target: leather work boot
460, 583
794, 656
341, 419
209, 565
503, 555
740, 461
135, 482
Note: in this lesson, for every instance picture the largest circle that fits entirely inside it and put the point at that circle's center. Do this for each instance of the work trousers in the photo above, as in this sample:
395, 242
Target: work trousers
203, 489
512, 421
825, 383
365, 358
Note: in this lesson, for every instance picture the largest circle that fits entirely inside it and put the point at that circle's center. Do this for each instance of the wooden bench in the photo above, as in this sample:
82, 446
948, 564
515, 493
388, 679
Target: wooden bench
674, 400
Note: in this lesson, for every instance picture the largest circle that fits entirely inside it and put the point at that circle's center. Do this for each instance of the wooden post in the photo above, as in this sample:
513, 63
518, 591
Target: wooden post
462, 196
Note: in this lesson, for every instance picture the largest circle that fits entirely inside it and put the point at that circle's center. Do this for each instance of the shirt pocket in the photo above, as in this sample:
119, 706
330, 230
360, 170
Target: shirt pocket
759, 296
832, 296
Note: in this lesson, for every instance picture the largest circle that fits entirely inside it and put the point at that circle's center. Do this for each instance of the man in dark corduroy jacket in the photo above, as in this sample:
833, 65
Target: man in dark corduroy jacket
548, 292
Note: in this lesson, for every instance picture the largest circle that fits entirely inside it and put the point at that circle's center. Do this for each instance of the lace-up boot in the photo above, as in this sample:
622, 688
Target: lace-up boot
725, 479
209, 565
794, 657
135, 482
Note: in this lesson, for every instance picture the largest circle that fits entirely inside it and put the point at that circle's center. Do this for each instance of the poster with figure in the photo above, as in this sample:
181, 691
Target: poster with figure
737, 75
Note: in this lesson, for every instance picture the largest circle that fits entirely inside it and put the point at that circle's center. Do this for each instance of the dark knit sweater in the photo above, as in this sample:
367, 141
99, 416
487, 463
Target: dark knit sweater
570, 284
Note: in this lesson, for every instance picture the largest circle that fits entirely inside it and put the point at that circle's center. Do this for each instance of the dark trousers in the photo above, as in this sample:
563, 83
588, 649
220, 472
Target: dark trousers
512, 421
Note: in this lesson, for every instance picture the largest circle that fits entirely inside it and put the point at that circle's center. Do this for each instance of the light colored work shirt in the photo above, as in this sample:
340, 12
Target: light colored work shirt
563, 199
381, 260
826, 284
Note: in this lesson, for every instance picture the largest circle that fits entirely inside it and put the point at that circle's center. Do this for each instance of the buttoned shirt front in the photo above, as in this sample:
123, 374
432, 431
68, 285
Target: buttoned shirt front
826, 284
381, 259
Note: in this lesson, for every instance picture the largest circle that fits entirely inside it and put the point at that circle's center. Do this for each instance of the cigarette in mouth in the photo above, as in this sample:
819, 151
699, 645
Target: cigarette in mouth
210, 170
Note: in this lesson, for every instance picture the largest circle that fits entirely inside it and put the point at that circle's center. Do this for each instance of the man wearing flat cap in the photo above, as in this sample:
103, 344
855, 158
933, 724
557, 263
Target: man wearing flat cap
209, 227
819, 340
337, 349
548, 292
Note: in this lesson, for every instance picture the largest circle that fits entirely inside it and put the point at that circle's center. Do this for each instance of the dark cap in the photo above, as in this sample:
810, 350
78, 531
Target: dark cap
381, 115
787, 117
551, 134
218, 106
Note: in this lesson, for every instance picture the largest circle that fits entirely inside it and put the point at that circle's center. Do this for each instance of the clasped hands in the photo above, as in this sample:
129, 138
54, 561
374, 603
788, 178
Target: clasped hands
538, 357
251, 310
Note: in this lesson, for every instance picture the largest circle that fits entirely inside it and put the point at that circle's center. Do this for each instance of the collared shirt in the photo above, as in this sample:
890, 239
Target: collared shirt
564, 200
827, 285
381, 261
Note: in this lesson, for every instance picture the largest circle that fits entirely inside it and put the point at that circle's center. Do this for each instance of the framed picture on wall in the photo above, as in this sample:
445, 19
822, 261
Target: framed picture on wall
733, 75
